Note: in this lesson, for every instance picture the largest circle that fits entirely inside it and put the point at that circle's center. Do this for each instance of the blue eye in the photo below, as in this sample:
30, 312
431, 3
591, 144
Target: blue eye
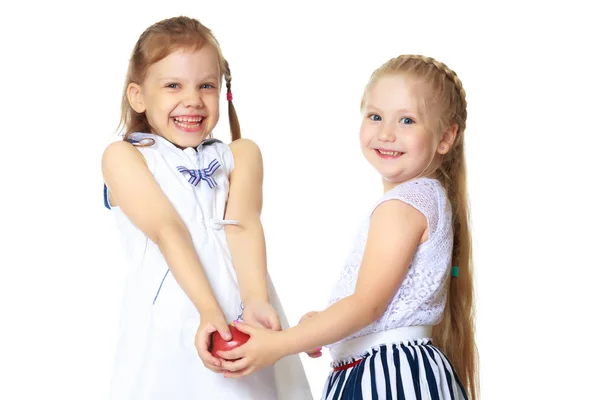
172, 85
375, 117
207, 86
407, 121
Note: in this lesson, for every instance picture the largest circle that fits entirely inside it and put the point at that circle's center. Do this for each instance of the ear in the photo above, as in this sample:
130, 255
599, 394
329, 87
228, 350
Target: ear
448, 138
135, 97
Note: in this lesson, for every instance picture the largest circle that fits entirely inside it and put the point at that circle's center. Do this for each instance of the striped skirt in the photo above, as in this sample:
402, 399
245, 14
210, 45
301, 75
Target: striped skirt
410, 369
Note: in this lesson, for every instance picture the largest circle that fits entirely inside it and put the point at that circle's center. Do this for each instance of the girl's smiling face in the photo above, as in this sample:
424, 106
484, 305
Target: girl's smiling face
180, 96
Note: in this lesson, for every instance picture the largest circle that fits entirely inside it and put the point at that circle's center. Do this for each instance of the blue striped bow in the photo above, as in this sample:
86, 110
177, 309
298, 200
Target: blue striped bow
196, 175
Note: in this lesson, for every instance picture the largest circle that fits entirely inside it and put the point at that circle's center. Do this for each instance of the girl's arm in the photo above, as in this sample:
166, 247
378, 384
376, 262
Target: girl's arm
136, 192
247, 241
396, 229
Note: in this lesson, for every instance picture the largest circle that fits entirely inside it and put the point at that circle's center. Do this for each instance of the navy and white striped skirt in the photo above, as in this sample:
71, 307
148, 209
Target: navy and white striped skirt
407, 369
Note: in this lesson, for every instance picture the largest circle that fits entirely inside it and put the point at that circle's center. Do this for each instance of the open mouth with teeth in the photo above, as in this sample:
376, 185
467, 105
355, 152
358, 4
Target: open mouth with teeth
388, 153
188, 123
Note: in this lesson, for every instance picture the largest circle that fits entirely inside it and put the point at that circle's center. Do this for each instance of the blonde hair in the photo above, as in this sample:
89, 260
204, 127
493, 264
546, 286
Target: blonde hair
444, 101
154, 44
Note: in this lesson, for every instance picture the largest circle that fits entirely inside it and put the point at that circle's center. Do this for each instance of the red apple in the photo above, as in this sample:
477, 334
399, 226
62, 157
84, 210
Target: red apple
217, 343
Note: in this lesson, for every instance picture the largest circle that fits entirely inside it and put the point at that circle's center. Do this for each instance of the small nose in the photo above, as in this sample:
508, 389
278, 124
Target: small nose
193, 99
387, 133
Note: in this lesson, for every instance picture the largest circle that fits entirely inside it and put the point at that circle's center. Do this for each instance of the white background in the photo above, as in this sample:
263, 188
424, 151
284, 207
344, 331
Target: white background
531, 76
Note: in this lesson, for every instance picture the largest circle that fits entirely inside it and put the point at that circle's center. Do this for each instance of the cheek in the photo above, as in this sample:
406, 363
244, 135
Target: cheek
215, 109
365, 136
160, 108
152, 112
423, 146
421, 143
212, 101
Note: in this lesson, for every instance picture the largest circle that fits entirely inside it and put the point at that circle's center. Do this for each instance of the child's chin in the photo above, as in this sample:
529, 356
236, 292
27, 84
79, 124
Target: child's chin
189, 140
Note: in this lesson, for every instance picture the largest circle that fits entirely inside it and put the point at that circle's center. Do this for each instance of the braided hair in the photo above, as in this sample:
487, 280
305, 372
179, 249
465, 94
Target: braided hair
443, 103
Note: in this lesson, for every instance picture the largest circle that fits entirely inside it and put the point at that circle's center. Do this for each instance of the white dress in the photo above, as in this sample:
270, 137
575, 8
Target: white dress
156, 358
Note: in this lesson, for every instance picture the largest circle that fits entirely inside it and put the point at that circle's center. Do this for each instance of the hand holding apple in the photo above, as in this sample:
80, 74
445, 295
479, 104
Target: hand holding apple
219, 344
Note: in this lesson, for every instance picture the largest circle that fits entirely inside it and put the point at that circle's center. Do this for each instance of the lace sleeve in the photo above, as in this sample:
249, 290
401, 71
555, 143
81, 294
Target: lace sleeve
421, 194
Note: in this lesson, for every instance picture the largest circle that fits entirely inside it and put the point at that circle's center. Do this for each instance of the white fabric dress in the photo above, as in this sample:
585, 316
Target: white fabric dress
156, 358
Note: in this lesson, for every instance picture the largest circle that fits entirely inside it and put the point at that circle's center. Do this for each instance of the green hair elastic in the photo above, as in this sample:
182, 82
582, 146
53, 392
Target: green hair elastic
454, 271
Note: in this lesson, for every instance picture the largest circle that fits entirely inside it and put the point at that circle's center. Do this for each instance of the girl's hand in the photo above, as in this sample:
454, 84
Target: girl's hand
264, 348
261, 313
315, 353
211, 321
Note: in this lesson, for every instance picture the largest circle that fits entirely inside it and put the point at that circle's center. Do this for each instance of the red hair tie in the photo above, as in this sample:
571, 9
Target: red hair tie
229, 96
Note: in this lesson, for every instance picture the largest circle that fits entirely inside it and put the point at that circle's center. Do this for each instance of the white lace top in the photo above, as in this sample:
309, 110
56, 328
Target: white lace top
421, 297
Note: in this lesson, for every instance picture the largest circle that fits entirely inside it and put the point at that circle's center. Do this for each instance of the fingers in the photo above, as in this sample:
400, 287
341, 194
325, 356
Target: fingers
202, 346
206, 356
223, 330
235, 366
245, 328
274, 323
233, 354
315, 355
209, 361
213, 368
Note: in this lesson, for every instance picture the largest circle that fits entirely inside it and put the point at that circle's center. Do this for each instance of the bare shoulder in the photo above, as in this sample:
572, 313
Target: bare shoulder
120, 153
245, 151
122, 164
394, 217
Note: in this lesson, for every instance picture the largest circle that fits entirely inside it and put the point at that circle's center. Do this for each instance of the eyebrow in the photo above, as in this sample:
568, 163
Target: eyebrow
205, 78
402, 110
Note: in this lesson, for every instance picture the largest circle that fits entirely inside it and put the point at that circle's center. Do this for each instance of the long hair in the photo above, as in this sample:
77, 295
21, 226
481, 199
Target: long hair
445, 100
